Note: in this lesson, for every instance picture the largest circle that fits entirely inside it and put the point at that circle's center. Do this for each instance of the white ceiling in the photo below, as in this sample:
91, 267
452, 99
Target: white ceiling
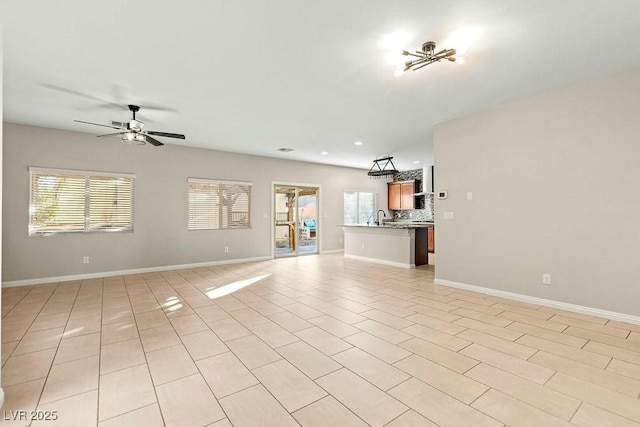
253, 76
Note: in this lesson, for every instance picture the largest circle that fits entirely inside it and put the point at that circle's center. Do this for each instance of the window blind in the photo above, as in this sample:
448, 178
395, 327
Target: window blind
66, 201
215, 205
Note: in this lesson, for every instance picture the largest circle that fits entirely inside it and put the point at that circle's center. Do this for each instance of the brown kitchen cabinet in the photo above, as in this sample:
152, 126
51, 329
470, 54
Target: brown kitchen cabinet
400, 195
431, 239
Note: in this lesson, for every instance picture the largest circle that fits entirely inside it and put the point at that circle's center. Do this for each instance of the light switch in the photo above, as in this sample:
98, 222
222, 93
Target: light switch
469, 195
447, 215
265, 216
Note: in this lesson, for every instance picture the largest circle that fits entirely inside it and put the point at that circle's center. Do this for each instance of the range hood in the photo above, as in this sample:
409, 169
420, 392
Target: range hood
427, 181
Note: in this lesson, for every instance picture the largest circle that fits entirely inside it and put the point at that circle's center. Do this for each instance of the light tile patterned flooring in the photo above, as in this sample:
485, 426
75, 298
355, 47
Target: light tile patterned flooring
315, 341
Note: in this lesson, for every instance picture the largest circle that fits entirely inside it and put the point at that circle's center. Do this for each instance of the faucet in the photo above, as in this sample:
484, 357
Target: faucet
370, 218
378, 216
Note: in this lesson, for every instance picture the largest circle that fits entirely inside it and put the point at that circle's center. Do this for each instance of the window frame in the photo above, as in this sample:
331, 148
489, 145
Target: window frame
358, 192
87, 229
248, 184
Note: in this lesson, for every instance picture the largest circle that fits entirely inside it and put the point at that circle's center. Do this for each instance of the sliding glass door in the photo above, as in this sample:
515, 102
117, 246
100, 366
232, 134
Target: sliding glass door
296, 220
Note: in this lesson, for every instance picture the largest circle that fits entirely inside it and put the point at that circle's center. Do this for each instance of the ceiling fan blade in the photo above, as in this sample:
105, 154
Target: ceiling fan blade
121, 93
155, 107
97, 124
103, 102
153, 141
166, 134
109, 134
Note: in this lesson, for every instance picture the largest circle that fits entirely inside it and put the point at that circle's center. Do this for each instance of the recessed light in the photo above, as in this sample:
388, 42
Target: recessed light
324, 153
358, 143
416, 162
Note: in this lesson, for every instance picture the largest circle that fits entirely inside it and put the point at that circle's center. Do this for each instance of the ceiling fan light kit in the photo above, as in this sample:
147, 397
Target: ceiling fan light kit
131, 132
131, 138
428, 55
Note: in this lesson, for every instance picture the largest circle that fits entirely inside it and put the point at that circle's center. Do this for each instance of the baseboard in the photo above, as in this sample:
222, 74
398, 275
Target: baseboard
612, 315
332, 251
27, 282
380, 261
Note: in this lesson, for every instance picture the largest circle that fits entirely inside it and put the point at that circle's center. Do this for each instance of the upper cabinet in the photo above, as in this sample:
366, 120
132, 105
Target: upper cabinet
394, 196
400, 195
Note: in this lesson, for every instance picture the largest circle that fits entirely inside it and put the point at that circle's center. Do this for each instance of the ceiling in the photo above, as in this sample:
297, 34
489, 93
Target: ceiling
253, 76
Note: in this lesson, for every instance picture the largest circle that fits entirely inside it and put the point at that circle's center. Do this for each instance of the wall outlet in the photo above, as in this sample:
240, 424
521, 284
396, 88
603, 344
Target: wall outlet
447, 215
226, 249
85, 260
363, 246
265, 215
469, 195
546, 279
341, 240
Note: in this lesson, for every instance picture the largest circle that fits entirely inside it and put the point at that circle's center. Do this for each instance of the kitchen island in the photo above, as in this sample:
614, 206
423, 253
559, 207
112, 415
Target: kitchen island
397, 244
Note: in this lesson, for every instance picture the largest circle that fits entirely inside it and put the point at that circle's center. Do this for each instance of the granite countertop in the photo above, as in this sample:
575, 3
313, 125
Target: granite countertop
392, 224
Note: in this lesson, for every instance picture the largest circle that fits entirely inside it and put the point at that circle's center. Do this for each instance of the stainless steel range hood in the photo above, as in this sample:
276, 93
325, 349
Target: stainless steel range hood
427, 181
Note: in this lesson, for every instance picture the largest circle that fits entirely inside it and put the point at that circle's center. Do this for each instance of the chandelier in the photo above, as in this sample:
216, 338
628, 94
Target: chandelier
428, 55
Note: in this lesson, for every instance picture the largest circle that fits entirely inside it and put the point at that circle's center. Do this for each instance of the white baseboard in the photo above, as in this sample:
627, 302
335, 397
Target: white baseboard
380, 261
332, 251
589, 311
27, 282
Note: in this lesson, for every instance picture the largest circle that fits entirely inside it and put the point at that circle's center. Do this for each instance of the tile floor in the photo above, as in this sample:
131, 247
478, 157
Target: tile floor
312, 341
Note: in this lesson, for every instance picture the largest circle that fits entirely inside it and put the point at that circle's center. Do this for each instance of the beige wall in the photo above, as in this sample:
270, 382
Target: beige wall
555, 181
160, 208
1, 195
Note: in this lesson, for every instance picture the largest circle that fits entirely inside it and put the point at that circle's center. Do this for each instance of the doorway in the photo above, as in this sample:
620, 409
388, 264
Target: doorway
296, 220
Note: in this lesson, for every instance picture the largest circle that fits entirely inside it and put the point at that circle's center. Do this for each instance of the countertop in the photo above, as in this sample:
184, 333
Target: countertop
392, 225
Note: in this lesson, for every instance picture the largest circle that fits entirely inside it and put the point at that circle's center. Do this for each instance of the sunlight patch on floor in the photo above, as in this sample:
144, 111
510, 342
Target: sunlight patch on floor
234, 286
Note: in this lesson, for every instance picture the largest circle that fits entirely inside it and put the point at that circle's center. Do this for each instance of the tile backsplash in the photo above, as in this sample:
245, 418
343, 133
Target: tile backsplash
424, 211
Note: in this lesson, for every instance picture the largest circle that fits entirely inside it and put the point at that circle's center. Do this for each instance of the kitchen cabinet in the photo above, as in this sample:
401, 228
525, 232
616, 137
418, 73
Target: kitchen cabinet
400, 195
431, 239
393, 196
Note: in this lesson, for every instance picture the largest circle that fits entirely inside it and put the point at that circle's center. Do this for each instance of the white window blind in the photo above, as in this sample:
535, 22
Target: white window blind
67, 201
215, 205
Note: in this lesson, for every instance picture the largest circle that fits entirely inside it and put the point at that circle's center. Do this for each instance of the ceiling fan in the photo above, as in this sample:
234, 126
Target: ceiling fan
132, 133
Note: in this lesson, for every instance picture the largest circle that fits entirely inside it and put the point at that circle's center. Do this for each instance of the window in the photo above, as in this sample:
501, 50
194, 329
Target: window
359, 207
68, 201
215, 205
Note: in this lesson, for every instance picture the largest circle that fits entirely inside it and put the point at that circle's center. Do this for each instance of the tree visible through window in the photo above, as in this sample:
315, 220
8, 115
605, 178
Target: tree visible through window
215, 205
66, 201
359, 207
